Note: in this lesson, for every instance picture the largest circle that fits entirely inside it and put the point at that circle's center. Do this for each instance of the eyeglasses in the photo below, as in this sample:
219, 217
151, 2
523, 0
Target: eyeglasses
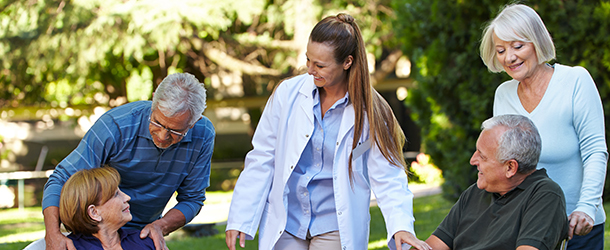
171, 131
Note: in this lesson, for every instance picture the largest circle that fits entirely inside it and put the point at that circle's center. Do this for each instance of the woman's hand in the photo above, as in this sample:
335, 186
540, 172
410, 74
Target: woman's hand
231, 238
405, 237
580, 224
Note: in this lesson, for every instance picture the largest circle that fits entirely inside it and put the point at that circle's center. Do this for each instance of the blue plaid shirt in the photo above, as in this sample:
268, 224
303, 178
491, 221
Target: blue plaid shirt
150, 175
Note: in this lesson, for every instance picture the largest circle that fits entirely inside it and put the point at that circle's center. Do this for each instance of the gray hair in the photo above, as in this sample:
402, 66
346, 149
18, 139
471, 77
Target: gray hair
180, 92
516, 22
521, 141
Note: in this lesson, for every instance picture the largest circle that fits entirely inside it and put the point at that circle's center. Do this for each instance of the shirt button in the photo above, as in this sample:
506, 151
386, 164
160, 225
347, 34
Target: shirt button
337, 143
340, 213
306, 135
304, 194
291, 167
281, 231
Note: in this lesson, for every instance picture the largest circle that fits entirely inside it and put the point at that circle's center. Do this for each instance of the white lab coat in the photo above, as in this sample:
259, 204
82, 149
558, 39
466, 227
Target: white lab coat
260, 195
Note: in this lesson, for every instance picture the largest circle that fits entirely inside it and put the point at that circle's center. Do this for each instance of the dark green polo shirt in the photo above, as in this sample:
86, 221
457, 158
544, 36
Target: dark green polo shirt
534, 214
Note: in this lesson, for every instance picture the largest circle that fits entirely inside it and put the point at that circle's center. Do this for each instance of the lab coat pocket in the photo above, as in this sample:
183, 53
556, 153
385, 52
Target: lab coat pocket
358, 155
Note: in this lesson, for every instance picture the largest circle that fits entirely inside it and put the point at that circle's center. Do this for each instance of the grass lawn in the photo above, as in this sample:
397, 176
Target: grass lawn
429, 212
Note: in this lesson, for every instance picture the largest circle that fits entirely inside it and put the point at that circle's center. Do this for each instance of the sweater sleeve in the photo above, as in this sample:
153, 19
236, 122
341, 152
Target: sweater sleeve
191, 192
96, 145
588, 118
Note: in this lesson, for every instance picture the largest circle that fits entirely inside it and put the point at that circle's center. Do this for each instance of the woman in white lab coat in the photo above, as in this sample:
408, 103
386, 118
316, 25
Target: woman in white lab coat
324, 141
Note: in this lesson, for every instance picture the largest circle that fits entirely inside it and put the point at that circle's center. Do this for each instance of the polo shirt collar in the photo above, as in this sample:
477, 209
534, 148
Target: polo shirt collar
529, 180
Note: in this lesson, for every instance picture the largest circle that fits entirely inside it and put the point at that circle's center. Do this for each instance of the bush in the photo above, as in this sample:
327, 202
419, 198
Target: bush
455, 90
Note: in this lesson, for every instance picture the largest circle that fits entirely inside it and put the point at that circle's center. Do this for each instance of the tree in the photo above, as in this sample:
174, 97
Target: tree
455, 91
71, 51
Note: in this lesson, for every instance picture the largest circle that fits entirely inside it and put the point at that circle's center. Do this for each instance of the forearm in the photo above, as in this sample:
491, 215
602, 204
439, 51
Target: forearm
171, 221
436, 243
51, 219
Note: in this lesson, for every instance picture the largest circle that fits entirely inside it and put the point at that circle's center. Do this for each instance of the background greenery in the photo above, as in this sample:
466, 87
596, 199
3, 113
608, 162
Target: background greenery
454, 92
429, 211
66, 53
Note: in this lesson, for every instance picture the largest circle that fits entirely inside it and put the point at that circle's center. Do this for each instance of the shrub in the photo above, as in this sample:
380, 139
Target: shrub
455, 90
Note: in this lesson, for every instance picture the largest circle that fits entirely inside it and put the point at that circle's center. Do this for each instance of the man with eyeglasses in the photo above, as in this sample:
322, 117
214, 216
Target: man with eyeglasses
158, 147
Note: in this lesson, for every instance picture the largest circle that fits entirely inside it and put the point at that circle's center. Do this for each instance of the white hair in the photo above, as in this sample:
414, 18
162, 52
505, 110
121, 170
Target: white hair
178, 93
521, 141
516, 22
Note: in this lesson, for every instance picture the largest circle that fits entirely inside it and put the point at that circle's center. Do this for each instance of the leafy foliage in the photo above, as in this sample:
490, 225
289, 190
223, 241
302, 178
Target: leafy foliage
455, 89
90, 51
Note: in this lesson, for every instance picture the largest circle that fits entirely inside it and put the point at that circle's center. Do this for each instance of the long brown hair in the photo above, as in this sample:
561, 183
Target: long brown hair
343, 34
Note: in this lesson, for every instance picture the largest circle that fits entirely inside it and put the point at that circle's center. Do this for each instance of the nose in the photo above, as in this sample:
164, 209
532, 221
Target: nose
511, 56
127, 197
309, 69
473, 159
164, 134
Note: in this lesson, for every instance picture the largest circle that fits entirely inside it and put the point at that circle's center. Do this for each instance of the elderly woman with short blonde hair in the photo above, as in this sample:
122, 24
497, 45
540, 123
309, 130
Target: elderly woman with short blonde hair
94, 209
565, 105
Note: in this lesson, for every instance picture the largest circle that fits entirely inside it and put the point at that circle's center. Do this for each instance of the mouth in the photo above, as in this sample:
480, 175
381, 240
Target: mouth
126, 209
515, 66
317, 78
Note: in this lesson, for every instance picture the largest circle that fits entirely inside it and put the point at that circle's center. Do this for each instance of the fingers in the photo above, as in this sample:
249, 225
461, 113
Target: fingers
398, 243
144, 233
580, 224
571, 228
158, 240
58, 241
230, 236
242, 239
70, 245
405, 237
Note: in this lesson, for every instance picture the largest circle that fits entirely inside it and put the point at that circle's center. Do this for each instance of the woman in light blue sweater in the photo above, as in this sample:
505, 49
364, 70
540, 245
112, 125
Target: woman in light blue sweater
564, 104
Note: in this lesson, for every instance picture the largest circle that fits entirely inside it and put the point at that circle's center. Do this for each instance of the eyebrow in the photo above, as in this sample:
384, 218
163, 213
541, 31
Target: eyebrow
157, 121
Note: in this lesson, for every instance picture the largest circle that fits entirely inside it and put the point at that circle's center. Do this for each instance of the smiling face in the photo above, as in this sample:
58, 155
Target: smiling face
115, 212
491, 175
161, 136
518, 58
322, 66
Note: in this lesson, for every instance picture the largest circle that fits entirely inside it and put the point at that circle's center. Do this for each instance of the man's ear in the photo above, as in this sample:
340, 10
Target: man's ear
511, 167
93, 213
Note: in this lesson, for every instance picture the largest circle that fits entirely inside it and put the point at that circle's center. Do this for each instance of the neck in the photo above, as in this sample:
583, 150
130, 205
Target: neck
539, 79
513, 182
109, 238
334, 92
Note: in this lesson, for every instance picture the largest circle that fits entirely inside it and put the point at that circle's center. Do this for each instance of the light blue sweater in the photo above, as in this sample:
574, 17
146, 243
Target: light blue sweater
570, 119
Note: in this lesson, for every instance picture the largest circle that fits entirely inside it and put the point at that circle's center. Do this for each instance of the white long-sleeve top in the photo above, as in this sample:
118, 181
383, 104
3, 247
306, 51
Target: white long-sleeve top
570, 120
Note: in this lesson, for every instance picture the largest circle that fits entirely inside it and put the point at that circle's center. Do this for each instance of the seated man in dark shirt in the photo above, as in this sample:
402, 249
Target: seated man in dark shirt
513, 205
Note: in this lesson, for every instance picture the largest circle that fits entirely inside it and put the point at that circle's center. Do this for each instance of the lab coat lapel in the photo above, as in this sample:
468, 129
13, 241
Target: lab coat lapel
305, 99
347, 123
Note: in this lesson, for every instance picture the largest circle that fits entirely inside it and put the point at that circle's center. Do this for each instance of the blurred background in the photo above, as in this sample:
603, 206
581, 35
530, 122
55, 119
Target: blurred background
64, 63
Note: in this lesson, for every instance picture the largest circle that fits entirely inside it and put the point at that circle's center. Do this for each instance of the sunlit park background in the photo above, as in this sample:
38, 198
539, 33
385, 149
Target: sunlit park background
63, 63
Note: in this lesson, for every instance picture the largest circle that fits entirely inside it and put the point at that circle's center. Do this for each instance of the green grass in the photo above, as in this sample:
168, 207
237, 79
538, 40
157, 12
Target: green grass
429, 212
